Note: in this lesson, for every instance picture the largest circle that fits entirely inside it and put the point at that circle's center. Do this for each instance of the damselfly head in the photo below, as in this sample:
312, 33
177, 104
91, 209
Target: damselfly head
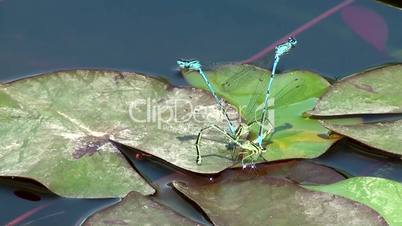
292, 41
189, 64
284, 48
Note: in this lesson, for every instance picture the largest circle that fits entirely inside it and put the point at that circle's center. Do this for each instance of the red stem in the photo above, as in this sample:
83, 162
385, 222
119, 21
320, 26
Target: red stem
25, 215
299, 30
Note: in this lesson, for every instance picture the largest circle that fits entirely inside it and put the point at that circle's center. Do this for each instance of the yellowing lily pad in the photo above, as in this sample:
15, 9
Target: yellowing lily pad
382, 195
273, 201
375, 91
55, 128
293, 93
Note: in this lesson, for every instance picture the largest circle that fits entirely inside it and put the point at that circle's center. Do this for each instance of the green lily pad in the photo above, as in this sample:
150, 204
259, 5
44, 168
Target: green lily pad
136, 209
273, 201
293, 94
382, 195
375, 91
55, 128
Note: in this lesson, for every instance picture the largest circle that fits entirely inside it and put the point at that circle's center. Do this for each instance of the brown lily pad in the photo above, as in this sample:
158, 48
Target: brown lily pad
386, 136
136, 209
273, 201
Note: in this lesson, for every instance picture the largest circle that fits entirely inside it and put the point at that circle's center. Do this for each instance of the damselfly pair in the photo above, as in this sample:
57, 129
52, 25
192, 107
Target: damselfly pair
251, 150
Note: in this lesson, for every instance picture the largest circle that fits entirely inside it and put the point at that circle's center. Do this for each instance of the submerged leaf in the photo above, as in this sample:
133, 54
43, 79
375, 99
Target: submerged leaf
382, 195
293, 93
55, 128
136, 209
273, 201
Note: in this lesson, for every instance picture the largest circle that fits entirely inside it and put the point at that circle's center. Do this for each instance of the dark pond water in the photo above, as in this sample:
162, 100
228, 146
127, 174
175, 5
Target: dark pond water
26, 203
148, 36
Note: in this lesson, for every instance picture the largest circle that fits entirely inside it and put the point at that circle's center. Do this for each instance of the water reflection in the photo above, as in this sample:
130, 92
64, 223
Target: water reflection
148, 36
359, 160
26, 202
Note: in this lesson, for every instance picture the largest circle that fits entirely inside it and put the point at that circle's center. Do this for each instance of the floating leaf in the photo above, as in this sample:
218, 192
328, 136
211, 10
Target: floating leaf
155, 170
382, 195
136, 209
273, 201
386, 136
293, 94
301, 170
55, 128
157, 173
374, 91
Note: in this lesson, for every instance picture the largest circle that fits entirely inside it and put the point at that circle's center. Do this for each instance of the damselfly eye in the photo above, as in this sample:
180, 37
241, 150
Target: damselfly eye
292, 41
181, 63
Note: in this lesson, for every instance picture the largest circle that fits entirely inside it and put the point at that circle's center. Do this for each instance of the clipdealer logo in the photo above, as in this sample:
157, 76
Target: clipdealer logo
151, 110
